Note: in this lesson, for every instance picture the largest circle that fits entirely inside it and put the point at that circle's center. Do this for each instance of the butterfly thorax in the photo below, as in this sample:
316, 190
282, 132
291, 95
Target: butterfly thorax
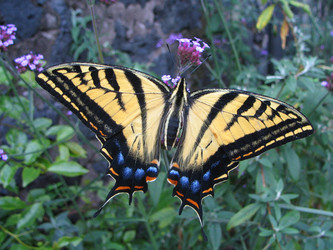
175, 115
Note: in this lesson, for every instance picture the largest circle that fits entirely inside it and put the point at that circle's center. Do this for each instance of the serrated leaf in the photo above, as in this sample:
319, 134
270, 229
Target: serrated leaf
265, 17
32, 151
243, 215
29, 174
30, 215
289, 219
11, 203
68, 168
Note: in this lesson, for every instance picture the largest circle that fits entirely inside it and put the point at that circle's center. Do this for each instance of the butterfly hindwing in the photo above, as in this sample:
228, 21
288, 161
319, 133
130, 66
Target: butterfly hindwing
222, 127
124, 107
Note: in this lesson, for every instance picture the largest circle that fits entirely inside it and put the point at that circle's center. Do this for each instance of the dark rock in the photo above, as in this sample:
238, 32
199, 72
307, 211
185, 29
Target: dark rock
25, 15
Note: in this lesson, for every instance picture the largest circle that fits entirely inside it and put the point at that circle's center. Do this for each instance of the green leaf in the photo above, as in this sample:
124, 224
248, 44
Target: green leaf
76, 149
129, 236
62, 132
293, 163
286, 9
32, 151
63, 153
165, 216
29, 174
30, 215
243, 215
289, 219
304, 6
215, 235
11, 203
265, 232
7, 174
16, 138
290, 230
67, 240
68, 168
42, 124
265, 17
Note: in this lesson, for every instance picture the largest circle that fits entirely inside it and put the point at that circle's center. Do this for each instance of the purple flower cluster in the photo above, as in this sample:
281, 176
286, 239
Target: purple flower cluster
108, 2
167, 78
328, 84
7, 36
3, 155
190, 51
29, 61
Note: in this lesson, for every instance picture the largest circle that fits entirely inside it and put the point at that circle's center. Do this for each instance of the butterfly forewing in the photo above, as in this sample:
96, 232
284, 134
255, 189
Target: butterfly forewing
123, 107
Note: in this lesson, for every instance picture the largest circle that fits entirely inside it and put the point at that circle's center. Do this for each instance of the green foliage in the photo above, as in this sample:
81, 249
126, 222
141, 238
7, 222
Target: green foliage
281, 199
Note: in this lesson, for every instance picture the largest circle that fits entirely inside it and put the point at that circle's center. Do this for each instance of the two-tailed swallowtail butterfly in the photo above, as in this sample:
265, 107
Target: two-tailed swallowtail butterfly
133, 114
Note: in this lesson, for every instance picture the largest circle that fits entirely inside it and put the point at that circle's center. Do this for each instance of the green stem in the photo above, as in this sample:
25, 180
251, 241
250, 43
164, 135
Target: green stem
93, 18
307, 210
319, 103
142, 210
231, 40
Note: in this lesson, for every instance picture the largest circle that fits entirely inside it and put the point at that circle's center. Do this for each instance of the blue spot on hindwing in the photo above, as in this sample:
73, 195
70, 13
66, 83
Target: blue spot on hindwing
139, 174
195, 186
120, 159
152, 171
173, 174
184, 181
206, 176
215, 164
127, 172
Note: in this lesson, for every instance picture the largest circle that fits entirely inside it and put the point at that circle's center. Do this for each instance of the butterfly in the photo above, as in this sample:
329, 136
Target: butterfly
134, 115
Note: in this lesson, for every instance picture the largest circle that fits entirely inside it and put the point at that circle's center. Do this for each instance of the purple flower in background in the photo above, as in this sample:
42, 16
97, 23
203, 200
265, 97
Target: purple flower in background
331, 33
322, 47
3, 155
331, 59
7, 36
108, 2
170, 40
324, 84
264, 52
29, 62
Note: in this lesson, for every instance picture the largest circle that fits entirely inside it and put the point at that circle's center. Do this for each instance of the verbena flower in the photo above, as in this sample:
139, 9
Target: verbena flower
328, 84
7, 36
3, 155
189, 54
331, 33
29, 62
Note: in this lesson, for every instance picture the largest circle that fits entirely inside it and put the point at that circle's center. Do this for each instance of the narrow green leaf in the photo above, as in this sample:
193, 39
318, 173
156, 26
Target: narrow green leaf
289, 219
68, 168
290, 230
30, 215
293, 163
243, 215
265, 17
215, 235
29, 174
304, 6
286, 9
11, 203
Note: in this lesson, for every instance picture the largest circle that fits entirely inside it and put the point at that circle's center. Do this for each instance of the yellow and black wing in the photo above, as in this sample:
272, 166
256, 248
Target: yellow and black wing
222, 127
124, 107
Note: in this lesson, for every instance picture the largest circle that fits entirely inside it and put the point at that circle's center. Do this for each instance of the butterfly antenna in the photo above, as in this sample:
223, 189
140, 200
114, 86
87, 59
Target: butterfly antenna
199, 64
173, 59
